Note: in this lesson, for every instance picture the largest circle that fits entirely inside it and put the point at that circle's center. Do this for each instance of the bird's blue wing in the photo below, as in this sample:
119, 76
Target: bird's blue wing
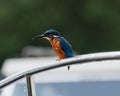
66, 47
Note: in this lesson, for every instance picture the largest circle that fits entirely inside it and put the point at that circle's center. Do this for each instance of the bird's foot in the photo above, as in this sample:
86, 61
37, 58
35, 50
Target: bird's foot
58, 59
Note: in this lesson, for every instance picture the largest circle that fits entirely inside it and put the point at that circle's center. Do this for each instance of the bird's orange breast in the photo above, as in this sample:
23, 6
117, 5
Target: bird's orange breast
57, 48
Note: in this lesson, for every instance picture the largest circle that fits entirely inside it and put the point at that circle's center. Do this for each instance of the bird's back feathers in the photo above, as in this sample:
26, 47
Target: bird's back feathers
66, 47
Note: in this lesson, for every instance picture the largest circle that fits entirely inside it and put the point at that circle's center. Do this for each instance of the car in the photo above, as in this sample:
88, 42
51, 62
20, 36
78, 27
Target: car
94, 78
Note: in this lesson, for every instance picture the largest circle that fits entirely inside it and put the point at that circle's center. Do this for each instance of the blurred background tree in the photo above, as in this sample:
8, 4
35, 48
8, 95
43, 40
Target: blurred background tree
90, 26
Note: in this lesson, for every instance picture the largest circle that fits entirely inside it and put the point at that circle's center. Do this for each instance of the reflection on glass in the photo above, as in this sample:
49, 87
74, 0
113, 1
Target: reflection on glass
110, 88
17, 88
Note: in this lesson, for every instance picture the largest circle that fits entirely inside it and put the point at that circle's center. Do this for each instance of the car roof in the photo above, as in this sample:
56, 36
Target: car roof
106, 70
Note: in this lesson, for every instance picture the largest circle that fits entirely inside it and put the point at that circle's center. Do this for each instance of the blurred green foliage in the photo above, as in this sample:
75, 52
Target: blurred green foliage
89, 25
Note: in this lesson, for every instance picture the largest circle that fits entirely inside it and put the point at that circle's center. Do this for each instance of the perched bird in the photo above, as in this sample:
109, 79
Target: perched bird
60, 45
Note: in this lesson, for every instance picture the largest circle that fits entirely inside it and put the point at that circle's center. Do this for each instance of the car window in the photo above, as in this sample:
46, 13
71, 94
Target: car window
87, 88
17, 88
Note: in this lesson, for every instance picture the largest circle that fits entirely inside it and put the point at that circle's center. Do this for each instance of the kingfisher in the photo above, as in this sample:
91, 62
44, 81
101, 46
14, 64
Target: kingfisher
60, 45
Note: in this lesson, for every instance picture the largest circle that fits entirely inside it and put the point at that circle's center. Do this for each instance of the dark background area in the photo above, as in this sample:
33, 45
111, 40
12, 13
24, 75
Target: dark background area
89, 25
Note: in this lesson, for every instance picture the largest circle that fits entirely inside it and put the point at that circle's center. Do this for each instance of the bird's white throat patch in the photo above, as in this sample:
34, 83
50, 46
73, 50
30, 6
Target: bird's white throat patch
47, 38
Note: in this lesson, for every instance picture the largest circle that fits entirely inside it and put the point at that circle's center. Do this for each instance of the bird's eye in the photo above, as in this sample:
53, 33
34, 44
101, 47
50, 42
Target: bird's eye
48, 35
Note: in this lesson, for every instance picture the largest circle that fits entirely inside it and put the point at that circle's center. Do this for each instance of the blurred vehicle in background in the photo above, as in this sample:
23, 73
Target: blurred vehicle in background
37, 51
31, 57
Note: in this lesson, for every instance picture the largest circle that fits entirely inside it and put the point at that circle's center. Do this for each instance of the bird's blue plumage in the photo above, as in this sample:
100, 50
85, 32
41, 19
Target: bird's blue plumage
60, 45
51, 31
53, 35
66, 47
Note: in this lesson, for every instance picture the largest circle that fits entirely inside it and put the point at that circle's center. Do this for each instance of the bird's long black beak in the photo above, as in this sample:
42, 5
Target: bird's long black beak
38, 37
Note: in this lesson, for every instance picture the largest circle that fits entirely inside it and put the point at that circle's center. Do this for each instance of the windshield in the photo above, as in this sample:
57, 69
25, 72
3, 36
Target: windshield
98, 88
